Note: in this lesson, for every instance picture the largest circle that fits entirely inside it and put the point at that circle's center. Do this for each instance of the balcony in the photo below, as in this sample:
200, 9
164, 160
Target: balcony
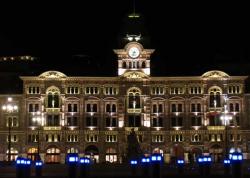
135, 110
52, 128
53, 110
215, 127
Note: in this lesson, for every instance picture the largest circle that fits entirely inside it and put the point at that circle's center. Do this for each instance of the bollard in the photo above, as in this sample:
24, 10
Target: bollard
145, 163
84, 167
207, 160
26, 168
201, 165
156, 160
72, 160
236, 160
180, 166
227, 167
133, 165
19, 167
38, 168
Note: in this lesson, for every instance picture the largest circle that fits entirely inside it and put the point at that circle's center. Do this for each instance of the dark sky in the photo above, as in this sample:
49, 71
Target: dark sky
189, 38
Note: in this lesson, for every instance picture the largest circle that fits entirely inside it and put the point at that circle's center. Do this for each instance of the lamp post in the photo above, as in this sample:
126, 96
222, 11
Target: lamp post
38, 121
226, 119
9, 108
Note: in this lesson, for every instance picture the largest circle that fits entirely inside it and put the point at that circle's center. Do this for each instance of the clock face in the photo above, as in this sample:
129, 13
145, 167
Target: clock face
134, 52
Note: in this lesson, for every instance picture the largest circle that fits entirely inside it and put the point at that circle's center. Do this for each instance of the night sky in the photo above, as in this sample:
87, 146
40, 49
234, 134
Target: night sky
189, 39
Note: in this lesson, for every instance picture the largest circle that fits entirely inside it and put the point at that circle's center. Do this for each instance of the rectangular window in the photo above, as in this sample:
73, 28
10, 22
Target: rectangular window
157, 138
91, 138
111, 138
91, 90
72, 90
33, 90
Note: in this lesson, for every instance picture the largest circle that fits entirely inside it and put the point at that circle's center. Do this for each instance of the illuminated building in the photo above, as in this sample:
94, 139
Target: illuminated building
176, 116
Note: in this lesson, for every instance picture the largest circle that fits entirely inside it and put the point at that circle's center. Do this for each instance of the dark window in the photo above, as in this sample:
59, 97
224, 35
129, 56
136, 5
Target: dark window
134, 121
154, 108
30, 107
69, 108
212, 100
198, 107
237, 107
192, 107
88, 108
36, 107
108, 108
231, 107
75, 108
94, 107
180, 121
113, 108
179, 107
160, 109
173, 108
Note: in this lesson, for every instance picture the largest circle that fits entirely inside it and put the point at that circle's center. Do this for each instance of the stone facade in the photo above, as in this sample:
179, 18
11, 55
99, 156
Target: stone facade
180, 117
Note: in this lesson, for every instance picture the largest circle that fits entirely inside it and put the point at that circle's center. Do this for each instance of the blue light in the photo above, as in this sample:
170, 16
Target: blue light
200, 160
84, 160
180, 161
153, 158
22, 161
18, 161
133, 162
158, 158
234, 157
39, 163
73, 159
28, 162
145, 160
226, 161
205, 159
240, 157
209, 159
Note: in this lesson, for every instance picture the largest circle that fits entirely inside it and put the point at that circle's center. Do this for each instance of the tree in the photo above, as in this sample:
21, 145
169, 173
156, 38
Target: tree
133, 150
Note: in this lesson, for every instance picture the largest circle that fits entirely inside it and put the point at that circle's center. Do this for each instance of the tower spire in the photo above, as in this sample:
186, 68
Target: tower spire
134, 14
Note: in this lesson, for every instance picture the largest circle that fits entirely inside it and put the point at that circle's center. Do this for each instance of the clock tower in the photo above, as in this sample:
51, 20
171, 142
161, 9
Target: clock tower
133, 60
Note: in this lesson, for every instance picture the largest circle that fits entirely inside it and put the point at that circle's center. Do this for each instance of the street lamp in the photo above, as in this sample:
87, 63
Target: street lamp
226, 120
38, 121
9, 108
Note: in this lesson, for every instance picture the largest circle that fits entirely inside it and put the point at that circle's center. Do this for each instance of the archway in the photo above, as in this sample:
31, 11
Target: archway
13, 154
111, 155
194, 154
53, 155
32, 153
92, 152
176, 152
216, 152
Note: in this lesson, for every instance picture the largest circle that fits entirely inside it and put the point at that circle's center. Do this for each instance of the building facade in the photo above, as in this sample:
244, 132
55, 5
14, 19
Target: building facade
180, 117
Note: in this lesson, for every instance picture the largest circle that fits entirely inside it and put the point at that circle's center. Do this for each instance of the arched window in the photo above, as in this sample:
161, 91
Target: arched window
215, 96
13, 154
113, 108
52, 155
31, 154
108, 108
53, 94
134, 100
